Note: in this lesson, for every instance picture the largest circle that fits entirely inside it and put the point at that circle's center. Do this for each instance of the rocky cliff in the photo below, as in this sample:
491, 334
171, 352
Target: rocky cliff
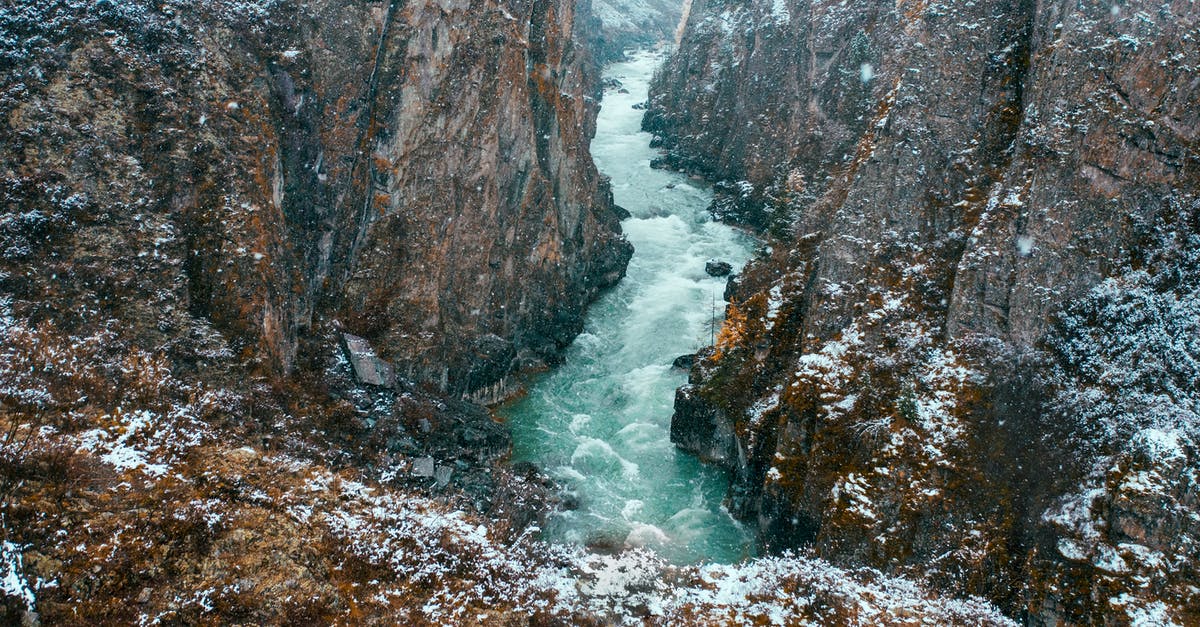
968, 352
414, 173
211, 215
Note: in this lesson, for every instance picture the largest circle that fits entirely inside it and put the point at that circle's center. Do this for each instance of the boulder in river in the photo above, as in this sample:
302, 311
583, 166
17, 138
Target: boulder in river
717, 268
684, 362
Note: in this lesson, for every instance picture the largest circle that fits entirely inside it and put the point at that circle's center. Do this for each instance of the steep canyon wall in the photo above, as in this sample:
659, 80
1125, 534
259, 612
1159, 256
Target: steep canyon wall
967, 352
415, 173
201, 205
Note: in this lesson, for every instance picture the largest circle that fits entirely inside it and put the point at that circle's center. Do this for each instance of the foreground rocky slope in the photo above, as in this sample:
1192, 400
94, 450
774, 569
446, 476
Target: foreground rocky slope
171, 509
970, 352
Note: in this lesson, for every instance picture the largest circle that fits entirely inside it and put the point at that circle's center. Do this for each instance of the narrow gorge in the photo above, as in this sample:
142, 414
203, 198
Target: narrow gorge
595, 312
600, 423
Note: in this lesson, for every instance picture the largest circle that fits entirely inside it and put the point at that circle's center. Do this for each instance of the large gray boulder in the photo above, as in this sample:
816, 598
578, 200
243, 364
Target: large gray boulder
368, 367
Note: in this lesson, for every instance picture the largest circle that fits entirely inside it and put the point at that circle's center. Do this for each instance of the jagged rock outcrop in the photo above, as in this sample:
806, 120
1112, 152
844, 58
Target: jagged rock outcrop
924, 372
367, 366
414, 173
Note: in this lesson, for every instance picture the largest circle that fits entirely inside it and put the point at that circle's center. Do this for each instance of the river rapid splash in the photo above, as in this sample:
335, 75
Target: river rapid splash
600, 423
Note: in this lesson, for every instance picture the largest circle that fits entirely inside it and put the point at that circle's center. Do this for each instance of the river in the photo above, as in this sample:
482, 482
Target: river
600, 422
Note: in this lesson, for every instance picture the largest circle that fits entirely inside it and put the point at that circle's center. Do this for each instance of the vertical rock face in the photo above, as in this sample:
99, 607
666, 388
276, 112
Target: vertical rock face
415, 172
496, 127
969, 204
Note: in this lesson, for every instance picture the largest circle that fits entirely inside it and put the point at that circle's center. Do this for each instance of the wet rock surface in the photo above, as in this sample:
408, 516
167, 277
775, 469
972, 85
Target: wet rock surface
893, 367
684, 362
717, 268
700, 428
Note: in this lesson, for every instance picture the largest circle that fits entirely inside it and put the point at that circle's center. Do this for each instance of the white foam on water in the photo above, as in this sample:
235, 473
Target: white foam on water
592, 448
597, 456
630, 480
641, 381
569, 473
639, 435
579, 421
587, 340
643, 535
690, 523
629, 470
632, 509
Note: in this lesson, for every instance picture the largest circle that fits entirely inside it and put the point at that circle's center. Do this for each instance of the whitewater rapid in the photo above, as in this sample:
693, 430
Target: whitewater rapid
600, 423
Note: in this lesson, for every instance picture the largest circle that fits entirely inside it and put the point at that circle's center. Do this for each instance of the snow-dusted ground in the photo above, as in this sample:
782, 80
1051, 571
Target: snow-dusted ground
459, 558
157, 479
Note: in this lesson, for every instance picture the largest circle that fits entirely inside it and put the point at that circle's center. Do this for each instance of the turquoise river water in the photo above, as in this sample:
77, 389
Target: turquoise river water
600, 422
